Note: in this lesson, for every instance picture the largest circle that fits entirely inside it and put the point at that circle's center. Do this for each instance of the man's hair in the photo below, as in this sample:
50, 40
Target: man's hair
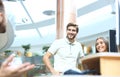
2, 10
74, 25
3, 22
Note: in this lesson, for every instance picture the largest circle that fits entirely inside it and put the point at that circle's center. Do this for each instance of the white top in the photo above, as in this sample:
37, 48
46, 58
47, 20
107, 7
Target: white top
65, 54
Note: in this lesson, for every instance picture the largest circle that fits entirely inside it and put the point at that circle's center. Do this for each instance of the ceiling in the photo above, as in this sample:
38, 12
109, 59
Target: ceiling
33, 26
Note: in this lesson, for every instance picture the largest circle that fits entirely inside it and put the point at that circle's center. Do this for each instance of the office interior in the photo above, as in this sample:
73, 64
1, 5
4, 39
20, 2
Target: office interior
37, 23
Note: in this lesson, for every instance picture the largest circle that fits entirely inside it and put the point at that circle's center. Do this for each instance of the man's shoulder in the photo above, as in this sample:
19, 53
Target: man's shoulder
78, 42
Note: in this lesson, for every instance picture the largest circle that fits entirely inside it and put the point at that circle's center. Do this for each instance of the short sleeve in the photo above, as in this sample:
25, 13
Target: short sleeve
54, 47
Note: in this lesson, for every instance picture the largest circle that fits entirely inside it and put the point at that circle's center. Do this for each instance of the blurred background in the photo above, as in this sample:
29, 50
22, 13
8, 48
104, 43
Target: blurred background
33, 24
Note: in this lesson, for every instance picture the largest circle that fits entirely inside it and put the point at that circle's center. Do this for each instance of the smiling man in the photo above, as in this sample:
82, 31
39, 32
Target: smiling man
65, 51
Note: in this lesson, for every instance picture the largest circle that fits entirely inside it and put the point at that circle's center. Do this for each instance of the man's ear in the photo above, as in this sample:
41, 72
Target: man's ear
2, 25
1, 17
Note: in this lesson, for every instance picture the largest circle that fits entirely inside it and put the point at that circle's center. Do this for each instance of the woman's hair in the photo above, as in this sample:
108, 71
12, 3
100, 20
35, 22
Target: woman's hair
3, 22
105, 41
74, 25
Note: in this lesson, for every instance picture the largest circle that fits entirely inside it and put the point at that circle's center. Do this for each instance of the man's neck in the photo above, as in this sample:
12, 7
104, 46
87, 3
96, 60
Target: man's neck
71, 40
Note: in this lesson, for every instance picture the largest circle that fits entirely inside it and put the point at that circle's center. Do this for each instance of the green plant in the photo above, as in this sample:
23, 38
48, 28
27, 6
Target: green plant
26, 47
45, 48
7, 52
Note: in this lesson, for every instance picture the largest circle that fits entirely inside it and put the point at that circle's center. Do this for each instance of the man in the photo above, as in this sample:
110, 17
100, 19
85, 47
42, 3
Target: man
2, 18
66, 52
6, 70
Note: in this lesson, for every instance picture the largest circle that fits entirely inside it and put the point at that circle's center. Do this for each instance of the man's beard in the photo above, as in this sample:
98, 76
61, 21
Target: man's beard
71, 37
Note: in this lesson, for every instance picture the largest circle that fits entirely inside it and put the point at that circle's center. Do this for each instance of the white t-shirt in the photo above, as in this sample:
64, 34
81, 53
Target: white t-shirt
65, 54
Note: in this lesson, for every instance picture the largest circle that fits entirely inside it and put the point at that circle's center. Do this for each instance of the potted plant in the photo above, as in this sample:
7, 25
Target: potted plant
26, 48
7, 52
45, 48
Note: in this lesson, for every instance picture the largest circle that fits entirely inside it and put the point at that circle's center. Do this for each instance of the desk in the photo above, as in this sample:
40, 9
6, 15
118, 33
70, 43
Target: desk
107, 63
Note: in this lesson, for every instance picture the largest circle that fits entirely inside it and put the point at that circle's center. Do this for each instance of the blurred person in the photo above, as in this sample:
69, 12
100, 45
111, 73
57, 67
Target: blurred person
66, 52
7, 70
2, 18
101, 45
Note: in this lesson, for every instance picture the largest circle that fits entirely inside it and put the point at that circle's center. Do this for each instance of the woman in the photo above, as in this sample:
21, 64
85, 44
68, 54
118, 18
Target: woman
101, 45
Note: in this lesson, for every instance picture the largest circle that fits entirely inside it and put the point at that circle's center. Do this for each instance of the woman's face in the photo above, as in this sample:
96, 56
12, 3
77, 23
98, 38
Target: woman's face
101, 46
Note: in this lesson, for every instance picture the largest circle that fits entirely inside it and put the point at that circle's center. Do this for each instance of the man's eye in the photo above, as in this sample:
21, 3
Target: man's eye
101, 42
73, 30
69, 29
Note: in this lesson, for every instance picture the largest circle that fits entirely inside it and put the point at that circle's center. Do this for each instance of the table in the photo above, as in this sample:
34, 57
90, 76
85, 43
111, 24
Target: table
106, 63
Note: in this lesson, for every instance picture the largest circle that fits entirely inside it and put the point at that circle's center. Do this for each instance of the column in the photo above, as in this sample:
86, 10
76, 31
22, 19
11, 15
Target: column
66, 12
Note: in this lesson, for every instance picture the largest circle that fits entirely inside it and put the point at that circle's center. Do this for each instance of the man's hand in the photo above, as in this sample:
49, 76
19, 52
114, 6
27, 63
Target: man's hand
56, 73
10, 71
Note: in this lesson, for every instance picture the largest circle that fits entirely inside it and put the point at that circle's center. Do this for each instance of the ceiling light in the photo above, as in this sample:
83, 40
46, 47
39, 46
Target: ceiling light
113, 12
49, 12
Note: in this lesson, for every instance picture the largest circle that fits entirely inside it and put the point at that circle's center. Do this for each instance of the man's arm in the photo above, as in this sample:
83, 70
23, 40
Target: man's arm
46, 60
9, 71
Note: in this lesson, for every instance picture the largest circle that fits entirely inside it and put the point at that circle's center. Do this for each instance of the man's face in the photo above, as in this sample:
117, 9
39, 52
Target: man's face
71, 32
2, 23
